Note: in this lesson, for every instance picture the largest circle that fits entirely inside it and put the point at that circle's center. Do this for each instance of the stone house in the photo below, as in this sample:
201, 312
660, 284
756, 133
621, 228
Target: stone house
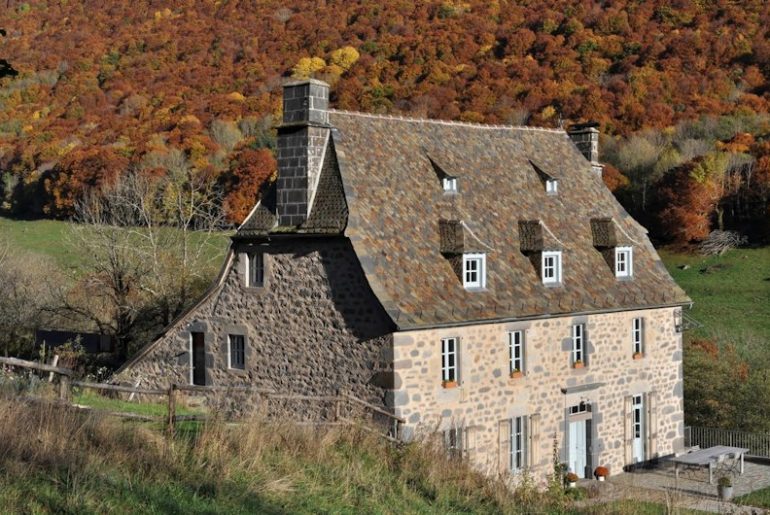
478, 281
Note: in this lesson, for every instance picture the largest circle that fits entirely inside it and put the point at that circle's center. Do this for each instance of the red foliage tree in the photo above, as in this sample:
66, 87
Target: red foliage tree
249, 171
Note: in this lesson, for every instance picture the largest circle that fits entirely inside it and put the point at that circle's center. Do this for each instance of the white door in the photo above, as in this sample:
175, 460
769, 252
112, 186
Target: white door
577, 448
638, 413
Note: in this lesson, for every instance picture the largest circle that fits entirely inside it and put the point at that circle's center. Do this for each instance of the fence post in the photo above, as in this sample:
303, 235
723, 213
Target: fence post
65, 394
54, 363
171, 409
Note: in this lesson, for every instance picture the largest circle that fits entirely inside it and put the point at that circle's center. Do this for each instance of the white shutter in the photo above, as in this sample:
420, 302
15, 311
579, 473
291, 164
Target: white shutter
504, 446
652, 425
628, 417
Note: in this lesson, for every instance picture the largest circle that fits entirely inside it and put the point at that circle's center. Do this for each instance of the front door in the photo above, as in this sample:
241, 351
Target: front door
638, 414
578, 447
198, 359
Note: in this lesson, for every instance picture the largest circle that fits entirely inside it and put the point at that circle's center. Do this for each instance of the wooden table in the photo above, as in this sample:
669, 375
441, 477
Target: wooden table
709, 457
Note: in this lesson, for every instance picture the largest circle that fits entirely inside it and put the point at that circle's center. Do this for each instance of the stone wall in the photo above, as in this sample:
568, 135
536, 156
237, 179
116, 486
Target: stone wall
487, 395
314, 326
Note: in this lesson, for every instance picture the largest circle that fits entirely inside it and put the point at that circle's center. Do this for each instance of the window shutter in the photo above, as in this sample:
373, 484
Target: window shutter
652, 425
504, 446
629, 428
534, 439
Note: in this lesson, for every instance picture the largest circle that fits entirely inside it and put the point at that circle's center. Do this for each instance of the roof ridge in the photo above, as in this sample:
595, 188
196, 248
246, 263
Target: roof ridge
447, 122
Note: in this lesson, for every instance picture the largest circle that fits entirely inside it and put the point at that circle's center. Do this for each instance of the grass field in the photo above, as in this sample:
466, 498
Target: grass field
758, 499
731, 293
52, 239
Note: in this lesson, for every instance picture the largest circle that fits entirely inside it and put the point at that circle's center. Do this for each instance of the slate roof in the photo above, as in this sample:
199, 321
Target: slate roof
398, 221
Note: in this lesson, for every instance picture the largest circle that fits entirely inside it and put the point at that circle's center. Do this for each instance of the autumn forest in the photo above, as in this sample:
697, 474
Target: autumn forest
680, 89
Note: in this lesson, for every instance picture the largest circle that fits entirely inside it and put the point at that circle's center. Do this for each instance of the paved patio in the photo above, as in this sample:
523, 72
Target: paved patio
691, 491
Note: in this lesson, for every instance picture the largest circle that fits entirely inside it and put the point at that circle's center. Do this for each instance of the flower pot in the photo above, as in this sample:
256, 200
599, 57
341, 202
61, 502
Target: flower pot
449, 384
571, 484
578, 364
600, 478
638, 355
517, 374
725, 492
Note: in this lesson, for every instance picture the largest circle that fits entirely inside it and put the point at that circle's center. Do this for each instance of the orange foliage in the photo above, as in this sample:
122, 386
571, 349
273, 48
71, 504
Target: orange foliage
613, 178
250, 170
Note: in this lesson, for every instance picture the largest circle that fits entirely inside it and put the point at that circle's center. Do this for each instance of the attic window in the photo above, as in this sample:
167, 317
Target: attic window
551, 272
450, 184
474, 271
624, 262
551, 186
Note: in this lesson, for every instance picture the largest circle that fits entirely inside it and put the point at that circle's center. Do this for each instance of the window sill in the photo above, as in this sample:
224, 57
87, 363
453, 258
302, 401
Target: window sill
553, 285
449, 384
475, 289
578, 366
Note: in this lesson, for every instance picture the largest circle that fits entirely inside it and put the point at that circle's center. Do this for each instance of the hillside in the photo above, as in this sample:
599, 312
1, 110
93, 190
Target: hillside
195, 86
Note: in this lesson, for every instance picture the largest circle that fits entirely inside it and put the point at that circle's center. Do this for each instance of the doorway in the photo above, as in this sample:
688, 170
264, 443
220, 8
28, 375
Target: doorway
579, 437
637, 408
198, 359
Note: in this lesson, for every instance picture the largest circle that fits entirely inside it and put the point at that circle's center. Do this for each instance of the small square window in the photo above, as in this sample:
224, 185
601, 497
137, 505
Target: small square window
624, 262
256, 270
449, 360
516, 351
637, 336
450, 184
474, 270
551, 186
237, 351
551, 267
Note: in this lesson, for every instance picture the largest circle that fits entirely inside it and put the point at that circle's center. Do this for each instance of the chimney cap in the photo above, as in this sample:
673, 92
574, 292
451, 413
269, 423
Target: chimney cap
584, 127
300, 82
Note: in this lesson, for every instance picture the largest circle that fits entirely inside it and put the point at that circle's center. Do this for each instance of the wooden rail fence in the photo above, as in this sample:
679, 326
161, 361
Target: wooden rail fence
262, 396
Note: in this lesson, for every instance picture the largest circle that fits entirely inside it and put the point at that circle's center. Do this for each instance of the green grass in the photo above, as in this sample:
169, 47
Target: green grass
633, 507
100, 402
731, 293
52, 239
757, 499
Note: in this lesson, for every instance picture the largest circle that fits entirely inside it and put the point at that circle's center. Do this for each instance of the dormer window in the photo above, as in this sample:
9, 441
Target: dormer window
624, 262
551, 269
474, 271
450, 184
552, 186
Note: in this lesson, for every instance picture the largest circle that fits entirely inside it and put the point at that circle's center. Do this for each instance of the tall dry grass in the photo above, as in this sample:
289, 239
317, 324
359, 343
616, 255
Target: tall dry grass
298, 468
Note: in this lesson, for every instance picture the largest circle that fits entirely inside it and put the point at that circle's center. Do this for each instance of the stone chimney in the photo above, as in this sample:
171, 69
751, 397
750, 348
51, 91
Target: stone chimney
585, 136
302, 138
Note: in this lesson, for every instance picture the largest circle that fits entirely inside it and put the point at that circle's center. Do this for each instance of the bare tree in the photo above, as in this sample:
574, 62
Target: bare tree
23, 296
148, 243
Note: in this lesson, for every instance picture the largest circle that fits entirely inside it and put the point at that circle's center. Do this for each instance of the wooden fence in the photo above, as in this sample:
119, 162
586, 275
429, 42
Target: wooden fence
347, 409
757, 443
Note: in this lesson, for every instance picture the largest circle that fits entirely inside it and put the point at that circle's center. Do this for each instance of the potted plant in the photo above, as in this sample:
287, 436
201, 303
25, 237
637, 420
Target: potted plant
571, 479
578, 364
449, 384
516, 373
725, 488
601, 473
638, 355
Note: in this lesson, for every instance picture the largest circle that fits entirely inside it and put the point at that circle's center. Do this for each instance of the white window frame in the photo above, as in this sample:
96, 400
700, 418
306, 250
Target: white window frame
516, 343
578, 343
624, 262
230, 351
518, 444
449, 349
551, 186
637, 335
453, 442
450, 184
255, 269
480, 272
554, 277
